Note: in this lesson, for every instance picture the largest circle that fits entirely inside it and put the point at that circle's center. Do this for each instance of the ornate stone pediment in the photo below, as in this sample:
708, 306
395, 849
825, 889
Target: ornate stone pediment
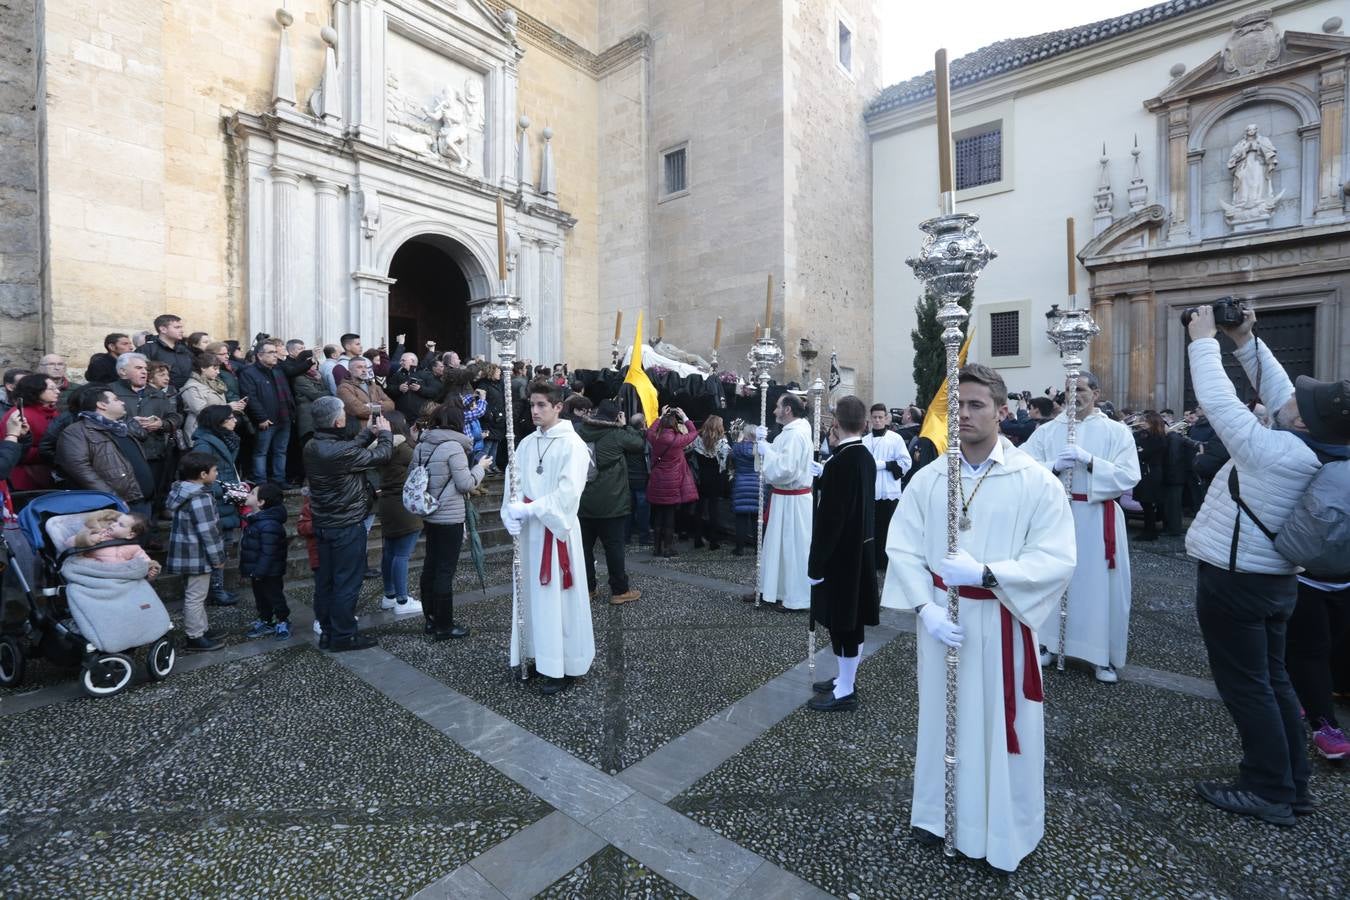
1294, 50
1253, 46
1134, 233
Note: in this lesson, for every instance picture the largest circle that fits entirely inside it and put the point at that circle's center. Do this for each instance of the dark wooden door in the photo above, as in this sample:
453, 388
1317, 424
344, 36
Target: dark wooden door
1289, 335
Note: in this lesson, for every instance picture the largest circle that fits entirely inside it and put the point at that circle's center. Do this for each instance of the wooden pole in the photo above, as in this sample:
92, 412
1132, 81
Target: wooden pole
768, 306
501, 240
717, 334
946, 149
1073, 260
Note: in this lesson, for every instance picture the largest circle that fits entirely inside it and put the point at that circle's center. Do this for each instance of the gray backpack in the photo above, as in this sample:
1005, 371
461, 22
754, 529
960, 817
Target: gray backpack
1316, 535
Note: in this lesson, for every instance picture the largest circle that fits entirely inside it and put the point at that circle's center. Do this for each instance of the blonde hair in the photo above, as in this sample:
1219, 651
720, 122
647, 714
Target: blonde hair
712, 432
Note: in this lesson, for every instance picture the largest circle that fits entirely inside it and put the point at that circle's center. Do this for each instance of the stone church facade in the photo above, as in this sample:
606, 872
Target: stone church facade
1206, 155
335, 165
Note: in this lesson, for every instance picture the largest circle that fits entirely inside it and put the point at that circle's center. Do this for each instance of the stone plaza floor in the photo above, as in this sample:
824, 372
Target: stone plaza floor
683, 764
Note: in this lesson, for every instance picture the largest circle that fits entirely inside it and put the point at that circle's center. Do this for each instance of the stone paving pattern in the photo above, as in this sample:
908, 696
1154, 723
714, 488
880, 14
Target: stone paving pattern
286, 773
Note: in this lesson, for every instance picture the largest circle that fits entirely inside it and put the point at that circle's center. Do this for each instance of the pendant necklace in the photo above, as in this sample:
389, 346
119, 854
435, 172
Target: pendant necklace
964, 521
539, 469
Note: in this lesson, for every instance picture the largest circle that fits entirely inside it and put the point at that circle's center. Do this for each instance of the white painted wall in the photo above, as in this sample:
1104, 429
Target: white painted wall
1056, 136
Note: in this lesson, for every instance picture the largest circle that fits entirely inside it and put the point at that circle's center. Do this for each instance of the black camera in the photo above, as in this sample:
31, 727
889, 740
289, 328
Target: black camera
1227, 312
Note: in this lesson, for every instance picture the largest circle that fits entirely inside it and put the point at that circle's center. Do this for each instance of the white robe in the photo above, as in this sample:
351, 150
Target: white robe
787, 536
1098, 629
890, 446
1021, 531
558, 619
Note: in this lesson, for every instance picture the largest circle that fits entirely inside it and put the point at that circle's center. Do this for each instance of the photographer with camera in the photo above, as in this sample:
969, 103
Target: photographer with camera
1246, 590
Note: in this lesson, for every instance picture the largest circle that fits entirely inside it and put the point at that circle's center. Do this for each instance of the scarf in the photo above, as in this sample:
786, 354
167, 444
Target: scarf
117, 427
216, 384
226, 437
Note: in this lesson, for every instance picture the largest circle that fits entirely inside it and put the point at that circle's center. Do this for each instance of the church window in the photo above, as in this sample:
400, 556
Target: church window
845, 48
674, 172
1004, 334
979, 157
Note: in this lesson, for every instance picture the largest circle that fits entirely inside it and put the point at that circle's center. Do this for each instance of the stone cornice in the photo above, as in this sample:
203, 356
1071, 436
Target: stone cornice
557, 44
1075, 66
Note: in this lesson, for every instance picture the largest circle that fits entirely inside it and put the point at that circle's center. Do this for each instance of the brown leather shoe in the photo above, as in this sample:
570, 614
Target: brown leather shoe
627, 596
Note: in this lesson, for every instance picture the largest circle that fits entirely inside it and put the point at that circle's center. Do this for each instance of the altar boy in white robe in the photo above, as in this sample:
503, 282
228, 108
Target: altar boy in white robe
786, 469
1105, 464
552, 462
1016, 556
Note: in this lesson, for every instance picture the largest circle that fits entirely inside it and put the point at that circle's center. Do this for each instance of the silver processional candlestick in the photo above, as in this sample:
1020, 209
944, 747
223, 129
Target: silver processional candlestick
817, 391
764, 355
504, 319
951, 260
1070, 331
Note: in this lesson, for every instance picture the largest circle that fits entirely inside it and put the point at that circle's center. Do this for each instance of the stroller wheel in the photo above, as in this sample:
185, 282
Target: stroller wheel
159, 661
106, 674
11, 661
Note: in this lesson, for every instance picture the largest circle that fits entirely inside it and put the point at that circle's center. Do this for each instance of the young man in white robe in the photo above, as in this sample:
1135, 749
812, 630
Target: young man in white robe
786, 468
552, 462
1105, 464
1016, 556
893, 461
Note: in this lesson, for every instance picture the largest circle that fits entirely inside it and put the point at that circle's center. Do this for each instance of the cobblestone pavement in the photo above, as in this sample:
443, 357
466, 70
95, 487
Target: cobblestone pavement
682, 765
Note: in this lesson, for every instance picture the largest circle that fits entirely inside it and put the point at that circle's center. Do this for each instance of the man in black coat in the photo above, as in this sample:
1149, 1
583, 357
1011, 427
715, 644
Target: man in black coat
842, 564
168, 347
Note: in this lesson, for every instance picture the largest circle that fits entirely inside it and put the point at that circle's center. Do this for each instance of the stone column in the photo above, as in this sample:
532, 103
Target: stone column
370, 318
329, 314
527, 280
1103, 356
550, 322
366, 68
285, 201
1331, 97
1178, 172
1142, 352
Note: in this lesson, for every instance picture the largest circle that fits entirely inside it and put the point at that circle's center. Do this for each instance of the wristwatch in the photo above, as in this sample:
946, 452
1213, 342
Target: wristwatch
988, 580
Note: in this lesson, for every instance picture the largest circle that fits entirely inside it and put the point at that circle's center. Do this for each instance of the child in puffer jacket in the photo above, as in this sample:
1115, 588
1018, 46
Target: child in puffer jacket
744, 488
262, 558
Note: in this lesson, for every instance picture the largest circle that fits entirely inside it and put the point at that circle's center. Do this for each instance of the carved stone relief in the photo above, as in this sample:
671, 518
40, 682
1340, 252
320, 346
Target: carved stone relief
434, 107
1253, 46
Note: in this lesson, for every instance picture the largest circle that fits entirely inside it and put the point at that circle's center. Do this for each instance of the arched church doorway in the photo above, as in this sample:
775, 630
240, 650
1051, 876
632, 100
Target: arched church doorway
429, 299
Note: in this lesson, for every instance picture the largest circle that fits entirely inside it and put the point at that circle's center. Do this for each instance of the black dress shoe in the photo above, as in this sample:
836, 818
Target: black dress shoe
747, 598
553, 686
456, 632
325, 642
823, 687
927, 838
223, 600
202, 643
358, 641
831, 703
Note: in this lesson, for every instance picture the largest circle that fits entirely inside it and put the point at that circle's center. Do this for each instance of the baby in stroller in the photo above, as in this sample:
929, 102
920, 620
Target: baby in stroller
113, 537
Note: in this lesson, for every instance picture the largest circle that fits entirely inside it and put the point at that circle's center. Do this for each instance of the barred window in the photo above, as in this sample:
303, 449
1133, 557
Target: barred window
1003, 334
979, 158
675, 178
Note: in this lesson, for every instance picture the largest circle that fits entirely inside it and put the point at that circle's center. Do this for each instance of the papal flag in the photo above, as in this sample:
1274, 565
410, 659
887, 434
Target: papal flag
637, 377
932, 442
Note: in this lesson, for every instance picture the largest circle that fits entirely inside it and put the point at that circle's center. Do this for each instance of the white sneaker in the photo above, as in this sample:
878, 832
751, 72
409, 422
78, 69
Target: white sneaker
407, 606
387, 603
318, 629
1107, 674
1046, 658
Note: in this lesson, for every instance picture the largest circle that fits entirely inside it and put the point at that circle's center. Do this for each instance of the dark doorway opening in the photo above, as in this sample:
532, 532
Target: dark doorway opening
429, 299
1289, 335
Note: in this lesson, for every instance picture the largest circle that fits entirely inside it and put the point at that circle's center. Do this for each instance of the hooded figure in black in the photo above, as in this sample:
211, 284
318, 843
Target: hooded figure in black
842, 565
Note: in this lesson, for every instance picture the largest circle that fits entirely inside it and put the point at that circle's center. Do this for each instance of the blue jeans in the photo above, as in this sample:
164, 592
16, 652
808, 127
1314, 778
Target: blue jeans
394, 563
342, 563
640, 519
271, 445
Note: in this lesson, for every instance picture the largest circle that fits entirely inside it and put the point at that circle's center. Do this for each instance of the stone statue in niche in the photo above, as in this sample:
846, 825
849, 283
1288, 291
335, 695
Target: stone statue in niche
1252, 162
448, 128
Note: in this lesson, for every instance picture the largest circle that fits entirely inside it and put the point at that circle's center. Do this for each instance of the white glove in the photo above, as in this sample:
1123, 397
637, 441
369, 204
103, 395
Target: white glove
761, 433
934, 619
815, 581
1069, 456
962, 570
512, 525
762, 447
517, 510
816, 468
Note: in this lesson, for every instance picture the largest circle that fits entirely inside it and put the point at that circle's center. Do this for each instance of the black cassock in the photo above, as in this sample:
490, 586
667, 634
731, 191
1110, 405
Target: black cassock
843, 545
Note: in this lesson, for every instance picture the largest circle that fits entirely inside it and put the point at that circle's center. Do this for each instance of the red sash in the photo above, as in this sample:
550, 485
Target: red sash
785, 492
546, 564
1108, 527
1031, 664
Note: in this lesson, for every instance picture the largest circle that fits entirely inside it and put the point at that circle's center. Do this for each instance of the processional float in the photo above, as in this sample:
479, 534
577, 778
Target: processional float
504, 319
948, 264
1070, 331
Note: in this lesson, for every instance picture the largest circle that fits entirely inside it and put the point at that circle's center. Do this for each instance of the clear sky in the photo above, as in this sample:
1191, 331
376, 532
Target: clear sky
911, 32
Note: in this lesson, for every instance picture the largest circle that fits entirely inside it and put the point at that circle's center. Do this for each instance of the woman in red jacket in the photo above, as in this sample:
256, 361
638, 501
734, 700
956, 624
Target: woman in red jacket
38, 394
671, 483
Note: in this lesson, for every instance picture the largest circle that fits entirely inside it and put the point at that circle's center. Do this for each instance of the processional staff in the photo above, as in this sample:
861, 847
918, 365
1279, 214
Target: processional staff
1070, 332
504, 319
950, 261
764, 355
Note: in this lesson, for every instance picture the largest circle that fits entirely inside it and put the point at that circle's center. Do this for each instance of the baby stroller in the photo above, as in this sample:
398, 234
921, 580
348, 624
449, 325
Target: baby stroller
73, 620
